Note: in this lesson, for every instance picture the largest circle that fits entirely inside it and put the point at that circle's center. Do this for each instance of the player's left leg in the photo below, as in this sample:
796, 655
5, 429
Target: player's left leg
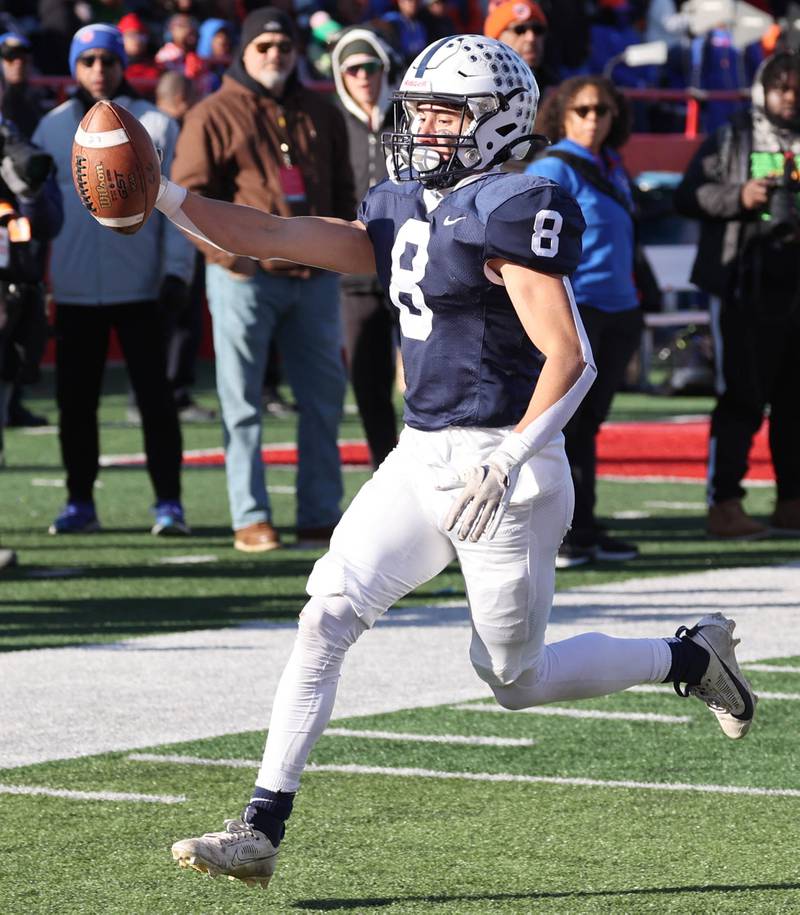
387, 542
510, 585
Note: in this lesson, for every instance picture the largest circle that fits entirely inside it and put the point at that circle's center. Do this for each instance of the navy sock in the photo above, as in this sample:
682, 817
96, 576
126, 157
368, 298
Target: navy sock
689, 662
268, 812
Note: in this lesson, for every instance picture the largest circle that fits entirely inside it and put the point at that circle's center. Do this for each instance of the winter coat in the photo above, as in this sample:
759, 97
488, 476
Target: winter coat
230, 149
711, 192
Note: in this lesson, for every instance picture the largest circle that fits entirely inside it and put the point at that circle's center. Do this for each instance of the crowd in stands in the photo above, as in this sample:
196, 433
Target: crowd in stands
573, 37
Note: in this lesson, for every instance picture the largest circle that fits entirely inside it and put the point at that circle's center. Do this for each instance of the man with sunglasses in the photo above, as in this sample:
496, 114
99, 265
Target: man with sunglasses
360, 64
264, 140
102, 281
23, 103
521, 25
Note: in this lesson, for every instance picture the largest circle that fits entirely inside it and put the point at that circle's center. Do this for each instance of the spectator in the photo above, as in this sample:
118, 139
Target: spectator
183, 315
739, 184
102, 281
175, 95
590, 120
179, 52
265, 140
214, 48
522, 25
31, 214
410, 36
361, 64
136, 38
24, 105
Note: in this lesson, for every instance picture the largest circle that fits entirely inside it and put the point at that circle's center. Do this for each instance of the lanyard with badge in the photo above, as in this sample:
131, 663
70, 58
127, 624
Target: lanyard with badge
293, 186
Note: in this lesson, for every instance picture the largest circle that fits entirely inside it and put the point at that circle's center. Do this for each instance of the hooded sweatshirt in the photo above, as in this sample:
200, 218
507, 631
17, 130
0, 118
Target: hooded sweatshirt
750, 146
364, 130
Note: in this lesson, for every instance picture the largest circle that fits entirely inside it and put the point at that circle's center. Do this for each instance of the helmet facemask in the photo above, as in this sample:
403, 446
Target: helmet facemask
410, 158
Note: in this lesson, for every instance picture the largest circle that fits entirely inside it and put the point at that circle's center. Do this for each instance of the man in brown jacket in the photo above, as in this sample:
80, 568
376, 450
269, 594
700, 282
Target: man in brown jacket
266, 141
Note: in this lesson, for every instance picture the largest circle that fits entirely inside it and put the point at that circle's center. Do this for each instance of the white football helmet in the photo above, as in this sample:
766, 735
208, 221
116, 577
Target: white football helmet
496, 93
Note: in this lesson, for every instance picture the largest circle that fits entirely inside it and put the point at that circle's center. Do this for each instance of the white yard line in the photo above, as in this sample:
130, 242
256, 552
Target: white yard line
159, 689
772, 668
762, 693
397, 772
41, 790
559, 712
433, 738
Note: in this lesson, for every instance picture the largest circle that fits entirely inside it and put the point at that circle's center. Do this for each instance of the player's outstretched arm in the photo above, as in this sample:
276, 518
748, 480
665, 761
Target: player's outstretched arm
332, 244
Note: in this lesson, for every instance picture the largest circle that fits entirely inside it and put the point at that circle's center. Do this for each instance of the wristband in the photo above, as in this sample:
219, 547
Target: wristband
170, 197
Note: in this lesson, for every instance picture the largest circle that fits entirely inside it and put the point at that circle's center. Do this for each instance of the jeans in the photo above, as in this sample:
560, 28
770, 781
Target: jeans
303, 317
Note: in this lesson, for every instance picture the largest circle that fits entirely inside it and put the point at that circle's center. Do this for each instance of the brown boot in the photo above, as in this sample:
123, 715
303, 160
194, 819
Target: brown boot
728, 520
786, 517
256, 538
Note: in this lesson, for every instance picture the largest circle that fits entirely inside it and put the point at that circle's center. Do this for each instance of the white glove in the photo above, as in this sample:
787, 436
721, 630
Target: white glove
482, 503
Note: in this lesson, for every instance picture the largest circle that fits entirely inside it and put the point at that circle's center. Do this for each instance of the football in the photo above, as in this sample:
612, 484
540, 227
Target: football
115, 167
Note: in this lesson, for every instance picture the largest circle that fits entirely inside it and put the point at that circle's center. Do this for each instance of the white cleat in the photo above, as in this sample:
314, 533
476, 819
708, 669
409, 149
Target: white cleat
723, 687
239, 853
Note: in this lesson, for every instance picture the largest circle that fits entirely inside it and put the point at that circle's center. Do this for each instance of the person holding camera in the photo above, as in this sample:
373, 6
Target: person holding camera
30, 215
743, 185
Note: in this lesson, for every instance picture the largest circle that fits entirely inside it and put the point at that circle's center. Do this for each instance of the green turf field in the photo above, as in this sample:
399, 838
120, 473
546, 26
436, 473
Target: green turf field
555, 832
382, 842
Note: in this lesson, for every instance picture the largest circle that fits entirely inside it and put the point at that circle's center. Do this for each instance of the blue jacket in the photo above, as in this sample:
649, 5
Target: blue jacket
604, 278
90, 264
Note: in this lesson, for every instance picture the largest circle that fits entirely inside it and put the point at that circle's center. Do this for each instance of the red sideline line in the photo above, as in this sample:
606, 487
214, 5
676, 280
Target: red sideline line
651, 449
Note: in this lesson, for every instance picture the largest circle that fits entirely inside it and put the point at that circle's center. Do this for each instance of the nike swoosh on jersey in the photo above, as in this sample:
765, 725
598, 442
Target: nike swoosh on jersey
450, 221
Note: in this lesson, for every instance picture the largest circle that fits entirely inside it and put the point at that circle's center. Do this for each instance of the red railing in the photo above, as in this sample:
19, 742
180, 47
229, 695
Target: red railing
694, 99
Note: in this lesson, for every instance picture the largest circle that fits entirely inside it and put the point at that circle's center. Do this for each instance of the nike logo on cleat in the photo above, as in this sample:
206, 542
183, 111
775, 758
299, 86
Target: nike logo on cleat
245, 856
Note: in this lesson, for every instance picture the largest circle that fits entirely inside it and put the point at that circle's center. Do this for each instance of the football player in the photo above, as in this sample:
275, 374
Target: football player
496, 360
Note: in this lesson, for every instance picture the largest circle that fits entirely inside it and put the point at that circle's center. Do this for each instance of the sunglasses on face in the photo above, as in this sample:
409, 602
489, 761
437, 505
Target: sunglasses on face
284, 47
106, 60
536, 27
583, 111
370, 67
13, 53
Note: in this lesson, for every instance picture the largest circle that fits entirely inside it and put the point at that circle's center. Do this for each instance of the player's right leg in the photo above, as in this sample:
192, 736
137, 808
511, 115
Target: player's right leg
386, 544
510, 583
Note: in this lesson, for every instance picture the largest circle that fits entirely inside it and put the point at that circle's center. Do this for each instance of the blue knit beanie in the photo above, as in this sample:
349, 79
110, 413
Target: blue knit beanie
107, 37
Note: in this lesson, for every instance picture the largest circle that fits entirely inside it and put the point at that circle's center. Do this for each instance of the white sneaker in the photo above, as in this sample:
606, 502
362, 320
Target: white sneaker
239, 853
723, 687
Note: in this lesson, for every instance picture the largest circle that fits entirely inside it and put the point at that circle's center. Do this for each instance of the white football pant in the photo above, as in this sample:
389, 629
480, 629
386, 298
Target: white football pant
390, 541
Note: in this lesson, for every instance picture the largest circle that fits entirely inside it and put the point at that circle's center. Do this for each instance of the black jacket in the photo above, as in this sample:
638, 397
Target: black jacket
711, 192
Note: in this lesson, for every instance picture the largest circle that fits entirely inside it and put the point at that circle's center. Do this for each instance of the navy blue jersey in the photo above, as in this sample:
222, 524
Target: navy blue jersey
466, 356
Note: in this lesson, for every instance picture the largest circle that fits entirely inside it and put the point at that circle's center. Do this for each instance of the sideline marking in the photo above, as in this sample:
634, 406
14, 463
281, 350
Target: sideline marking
762, 694
352, 769
579, 713
433, 738
678, 506
772, 668
93, 795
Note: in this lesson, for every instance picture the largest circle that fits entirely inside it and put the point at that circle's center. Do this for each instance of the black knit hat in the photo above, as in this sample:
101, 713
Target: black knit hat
266, 19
